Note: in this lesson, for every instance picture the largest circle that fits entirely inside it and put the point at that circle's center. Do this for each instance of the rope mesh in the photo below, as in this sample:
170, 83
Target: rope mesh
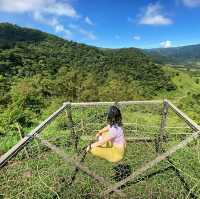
45, 175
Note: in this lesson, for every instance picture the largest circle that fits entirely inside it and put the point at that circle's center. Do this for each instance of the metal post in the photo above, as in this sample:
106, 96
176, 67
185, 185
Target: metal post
73, 138
162, 135
21, 134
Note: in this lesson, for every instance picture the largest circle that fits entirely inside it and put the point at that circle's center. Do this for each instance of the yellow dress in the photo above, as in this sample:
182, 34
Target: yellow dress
108, 151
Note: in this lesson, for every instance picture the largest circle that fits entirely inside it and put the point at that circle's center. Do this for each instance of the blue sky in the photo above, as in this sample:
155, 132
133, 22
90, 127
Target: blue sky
110, 23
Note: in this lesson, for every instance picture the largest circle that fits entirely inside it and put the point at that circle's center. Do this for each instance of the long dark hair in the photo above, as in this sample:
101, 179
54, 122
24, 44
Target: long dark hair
114, 116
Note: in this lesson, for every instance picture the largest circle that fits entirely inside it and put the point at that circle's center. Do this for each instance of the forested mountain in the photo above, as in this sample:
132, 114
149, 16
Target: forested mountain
37, 68
176, 55
30, 52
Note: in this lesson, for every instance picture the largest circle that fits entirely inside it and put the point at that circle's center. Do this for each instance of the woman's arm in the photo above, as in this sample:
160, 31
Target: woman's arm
103, 130
104, 139
101, 142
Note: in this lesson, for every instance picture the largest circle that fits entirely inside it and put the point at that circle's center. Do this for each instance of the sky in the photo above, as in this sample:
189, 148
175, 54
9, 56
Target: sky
110, 23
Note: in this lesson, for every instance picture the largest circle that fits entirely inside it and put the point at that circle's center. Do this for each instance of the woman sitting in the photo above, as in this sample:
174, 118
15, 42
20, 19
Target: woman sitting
111, 143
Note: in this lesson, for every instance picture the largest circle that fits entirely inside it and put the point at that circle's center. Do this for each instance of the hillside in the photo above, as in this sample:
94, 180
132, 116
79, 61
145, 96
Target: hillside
31, 52
24, 44
186, 55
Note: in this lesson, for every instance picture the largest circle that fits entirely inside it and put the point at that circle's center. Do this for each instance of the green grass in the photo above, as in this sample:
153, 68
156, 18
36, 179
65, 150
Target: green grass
45, 175
47, 171
185, 82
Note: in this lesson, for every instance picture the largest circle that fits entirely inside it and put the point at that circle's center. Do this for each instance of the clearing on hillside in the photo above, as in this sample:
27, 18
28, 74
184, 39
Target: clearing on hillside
154, 131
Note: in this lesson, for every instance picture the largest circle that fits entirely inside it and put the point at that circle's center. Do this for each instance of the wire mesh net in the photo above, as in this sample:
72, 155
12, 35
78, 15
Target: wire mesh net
38, 172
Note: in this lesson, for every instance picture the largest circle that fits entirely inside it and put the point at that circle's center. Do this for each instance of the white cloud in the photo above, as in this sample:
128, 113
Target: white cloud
88, 21
166, 44
44, 6
48, 12
73, 26
136, 37
153, 16
20, 6
87, 34
59, 28
61, 9
191, 3
43, 11
40, 18
54, 23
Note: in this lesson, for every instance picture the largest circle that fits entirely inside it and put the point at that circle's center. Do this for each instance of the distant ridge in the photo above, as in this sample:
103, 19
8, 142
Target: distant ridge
176, 55
9, 32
